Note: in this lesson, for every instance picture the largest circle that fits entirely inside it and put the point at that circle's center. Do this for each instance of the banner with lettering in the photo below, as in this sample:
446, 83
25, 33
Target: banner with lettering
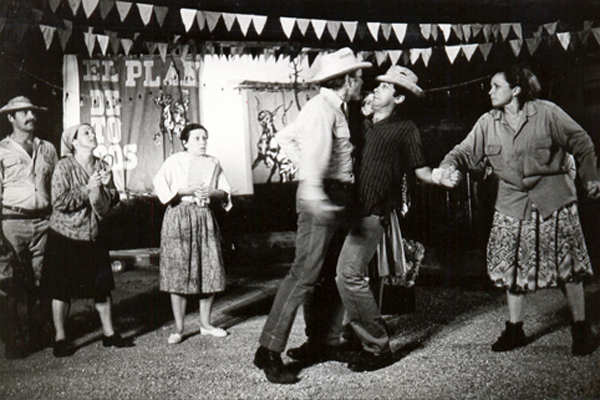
138, 107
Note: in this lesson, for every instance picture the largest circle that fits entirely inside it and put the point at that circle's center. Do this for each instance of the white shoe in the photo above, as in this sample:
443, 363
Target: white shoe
175, 338
216, 332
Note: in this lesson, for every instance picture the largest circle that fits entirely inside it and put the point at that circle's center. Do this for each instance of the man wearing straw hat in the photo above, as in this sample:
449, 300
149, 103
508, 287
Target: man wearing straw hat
392, 147
318, 143
26, 165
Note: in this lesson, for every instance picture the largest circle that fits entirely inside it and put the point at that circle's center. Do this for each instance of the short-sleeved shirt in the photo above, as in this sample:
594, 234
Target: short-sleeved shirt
392, 147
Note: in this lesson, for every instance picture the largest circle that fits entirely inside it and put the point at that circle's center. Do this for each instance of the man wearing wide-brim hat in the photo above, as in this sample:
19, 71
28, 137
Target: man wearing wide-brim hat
318, 143
392, 148
26, 165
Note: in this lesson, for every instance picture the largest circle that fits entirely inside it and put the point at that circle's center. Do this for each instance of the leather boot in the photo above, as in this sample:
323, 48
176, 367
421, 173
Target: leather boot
582, 338
270, 362
511, 338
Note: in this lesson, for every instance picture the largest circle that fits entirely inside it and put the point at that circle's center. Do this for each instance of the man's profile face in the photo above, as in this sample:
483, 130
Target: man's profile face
355, 83
23, 120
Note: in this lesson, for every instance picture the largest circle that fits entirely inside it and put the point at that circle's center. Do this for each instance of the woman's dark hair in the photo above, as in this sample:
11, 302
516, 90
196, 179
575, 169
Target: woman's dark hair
185, 133
522, 76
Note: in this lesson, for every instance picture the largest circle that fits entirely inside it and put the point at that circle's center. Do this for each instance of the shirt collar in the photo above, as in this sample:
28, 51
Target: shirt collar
529, 109
331, 97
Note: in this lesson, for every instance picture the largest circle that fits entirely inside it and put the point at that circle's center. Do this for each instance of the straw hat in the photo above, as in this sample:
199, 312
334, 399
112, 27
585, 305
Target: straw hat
20, 103
335, 64
403, 77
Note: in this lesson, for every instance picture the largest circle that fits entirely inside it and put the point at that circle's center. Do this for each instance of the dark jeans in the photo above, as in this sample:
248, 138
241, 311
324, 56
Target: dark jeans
310, 280
353, 284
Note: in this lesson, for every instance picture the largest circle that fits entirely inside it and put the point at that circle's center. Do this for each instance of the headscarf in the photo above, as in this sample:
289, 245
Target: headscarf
66, 140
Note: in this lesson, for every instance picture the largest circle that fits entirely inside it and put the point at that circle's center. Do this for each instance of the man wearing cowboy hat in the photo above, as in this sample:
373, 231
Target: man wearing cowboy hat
26, 165
392, 147
318, 143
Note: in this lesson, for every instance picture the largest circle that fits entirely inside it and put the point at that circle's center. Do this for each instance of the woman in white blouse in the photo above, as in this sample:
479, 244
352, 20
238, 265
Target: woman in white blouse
191, 261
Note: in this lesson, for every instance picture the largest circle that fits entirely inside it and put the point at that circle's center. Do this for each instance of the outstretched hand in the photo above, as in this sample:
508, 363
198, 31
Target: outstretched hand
448, 177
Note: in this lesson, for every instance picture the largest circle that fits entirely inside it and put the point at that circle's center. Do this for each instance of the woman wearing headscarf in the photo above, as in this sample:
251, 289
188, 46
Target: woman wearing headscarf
77, 264
191, 262
536, 240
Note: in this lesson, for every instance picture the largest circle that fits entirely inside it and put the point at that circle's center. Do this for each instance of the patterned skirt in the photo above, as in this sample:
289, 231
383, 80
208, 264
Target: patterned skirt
191, 261
526, 255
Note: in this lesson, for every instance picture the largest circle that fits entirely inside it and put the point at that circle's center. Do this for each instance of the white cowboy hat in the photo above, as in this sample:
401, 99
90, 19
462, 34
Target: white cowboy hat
338, 63
20, 103
403, 77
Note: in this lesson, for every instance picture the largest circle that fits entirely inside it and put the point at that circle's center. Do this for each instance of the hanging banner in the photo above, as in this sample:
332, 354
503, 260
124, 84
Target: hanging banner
138, 107
269, 111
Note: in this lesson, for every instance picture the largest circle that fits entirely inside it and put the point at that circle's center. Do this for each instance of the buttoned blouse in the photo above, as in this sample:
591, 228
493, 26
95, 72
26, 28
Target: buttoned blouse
529, 161
77, 211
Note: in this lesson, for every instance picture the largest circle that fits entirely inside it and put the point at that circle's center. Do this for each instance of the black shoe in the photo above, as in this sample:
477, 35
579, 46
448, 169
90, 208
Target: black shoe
312, 354
512, 337
61, 348
366, 361
117, 341
582, 339
270, 362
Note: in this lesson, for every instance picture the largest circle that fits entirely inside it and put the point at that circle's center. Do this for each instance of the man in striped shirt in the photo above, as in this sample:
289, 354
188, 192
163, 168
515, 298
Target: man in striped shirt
392, 147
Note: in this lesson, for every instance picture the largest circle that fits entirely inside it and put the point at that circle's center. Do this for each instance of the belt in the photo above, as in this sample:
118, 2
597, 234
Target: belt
334, 184
24, 213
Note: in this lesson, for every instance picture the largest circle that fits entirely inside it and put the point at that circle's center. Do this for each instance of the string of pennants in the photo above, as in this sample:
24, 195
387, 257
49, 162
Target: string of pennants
209, 19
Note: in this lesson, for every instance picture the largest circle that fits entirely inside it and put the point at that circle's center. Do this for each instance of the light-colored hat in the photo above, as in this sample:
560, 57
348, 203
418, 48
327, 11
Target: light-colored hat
403, 77
338, 63
66, 140
20, 103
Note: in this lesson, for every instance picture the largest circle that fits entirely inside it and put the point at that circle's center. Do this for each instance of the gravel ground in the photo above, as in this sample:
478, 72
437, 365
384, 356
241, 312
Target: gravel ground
443, 350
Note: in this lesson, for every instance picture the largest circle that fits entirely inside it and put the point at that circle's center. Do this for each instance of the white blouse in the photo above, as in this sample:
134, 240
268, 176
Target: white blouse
181, 170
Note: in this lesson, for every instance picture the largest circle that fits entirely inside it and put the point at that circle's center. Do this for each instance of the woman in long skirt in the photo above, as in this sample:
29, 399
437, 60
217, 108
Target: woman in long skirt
191, 261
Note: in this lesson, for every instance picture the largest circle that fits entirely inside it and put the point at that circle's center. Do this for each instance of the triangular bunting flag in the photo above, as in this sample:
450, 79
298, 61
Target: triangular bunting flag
425, 30
187, 17
446, 30
302, 24
415, 54
68, 24
151, 46
551, 27
89, 6
539, 32
452, 52
381, 56
2, 23
259, 22
496, 31
485, 49
48, 33
400, 31
386, 29
126, 44
145, 12
532, 44
162, 50
161, 14
123, 7
20, 30
469, 50
64, 35
229, 19
114, 41
394, 56
374, 29
505, 30
487, 31
74, 5
37, 14
516, 45
587, 25
435, 30
105, 7
406, 57
319, 26
467, 32
426, 55
565, 39
90, 41
201, 19
333, 27
476, 29
596, 32
457, 29
54, 4
350, 28
244, 21
287, 24
136, 35
212, 18
518, 30
103, 42
584, 35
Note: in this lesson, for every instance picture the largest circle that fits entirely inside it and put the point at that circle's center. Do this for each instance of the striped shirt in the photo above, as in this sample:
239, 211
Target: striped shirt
392, 148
